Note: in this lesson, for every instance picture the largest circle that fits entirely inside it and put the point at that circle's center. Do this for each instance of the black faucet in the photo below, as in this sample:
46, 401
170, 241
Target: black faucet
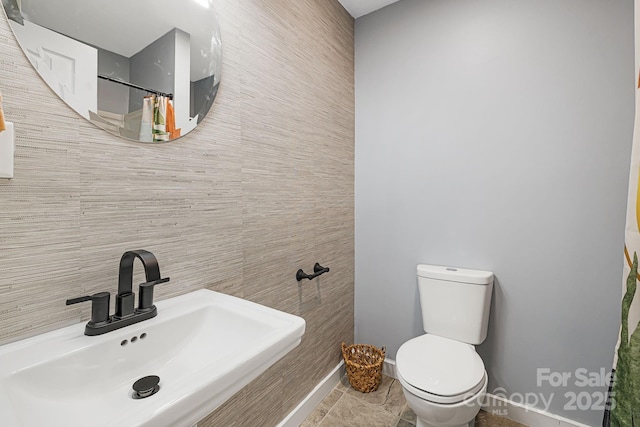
125, 313
125, 300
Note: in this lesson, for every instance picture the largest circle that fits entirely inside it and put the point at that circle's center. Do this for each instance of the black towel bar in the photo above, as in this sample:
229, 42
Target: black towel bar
317, 271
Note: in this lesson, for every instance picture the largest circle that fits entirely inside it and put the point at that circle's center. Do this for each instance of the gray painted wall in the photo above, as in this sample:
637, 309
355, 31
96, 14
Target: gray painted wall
112, 96
153, 68
496, 135
202, 97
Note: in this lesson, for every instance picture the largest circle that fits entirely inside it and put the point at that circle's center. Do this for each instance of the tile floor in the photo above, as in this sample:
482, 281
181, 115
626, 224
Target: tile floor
386, 407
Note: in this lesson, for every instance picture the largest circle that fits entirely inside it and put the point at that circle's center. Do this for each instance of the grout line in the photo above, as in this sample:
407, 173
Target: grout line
336, 402
386, 398
331, 409
375, 405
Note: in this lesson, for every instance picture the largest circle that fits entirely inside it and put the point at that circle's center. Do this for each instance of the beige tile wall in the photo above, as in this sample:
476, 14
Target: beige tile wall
263, 187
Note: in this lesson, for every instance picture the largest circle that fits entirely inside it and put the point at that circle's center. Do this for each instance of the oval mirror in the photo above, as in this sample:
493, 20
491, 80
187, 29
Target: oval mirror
145, 70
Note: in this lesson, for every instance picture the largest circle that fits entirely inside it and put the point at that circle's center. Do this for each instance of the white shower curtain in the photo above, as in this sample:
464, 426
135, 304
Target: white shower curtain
146, 125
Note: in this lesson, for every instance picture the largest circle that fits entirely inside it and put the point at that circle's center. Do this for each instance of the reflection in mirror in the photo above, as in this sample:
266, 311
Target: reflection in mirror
145, 70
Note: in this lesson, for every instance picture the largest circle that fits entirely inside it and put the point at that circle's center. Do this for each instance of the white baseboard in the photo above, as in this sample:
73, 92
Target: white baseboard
524, 414
493, 404
389, 368
514, 411
313, 399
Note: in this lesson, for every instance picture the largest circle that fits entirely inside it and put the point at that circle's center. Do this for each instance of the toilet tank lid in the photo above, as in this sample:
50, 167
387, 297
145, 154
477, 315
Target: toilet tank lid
454, 274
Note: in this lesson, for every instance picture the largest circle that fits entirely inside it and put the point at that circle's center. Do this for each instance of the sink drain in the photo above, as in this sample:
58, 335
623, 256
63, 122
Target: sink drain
146, 386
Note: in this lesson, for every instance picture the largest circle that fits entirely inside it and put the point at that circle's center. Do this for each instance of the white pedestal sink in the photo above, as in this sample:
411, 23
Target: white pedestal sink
205, 346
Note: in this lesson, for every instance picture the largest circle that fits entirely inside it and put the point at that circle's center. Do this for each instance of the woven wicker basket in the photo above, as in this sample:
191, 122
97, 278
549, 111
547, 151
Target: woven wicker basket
364, 366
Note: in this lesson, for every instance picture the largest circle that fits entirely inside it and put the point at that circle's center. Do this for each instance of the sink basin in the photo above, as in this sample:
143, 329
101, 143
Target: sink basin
205, 346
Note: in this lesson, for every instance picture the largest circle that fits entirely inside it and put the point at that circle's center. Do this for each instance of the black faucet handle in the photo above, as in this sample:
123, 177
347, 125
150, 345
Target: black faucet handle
99, 306
145, 294
79, 299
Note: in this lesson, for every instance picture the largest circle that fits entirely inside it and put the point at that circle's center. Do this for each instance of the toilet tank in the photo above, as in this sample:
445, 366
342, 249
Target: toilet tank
455, 302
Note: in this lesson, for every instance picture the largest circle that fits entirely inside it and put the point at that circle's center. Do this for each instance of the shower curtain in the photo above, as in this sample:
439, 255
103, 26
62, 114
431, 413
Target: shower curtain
623, 406
158, 121
146, 123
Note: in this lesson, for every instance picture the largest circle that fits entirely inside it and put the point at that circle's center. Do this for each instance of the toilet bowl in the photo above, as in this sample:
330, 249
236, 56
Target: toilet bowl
443, 378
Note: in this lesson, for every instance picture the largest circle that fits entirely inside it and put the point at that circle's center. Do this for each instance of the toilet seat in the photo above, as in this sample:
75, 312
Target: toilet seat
439, 369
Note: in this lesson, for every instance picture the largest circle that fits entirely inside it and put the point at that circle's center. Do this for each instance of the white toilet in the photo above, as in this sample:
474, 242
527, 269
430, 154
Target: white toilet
442, 376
